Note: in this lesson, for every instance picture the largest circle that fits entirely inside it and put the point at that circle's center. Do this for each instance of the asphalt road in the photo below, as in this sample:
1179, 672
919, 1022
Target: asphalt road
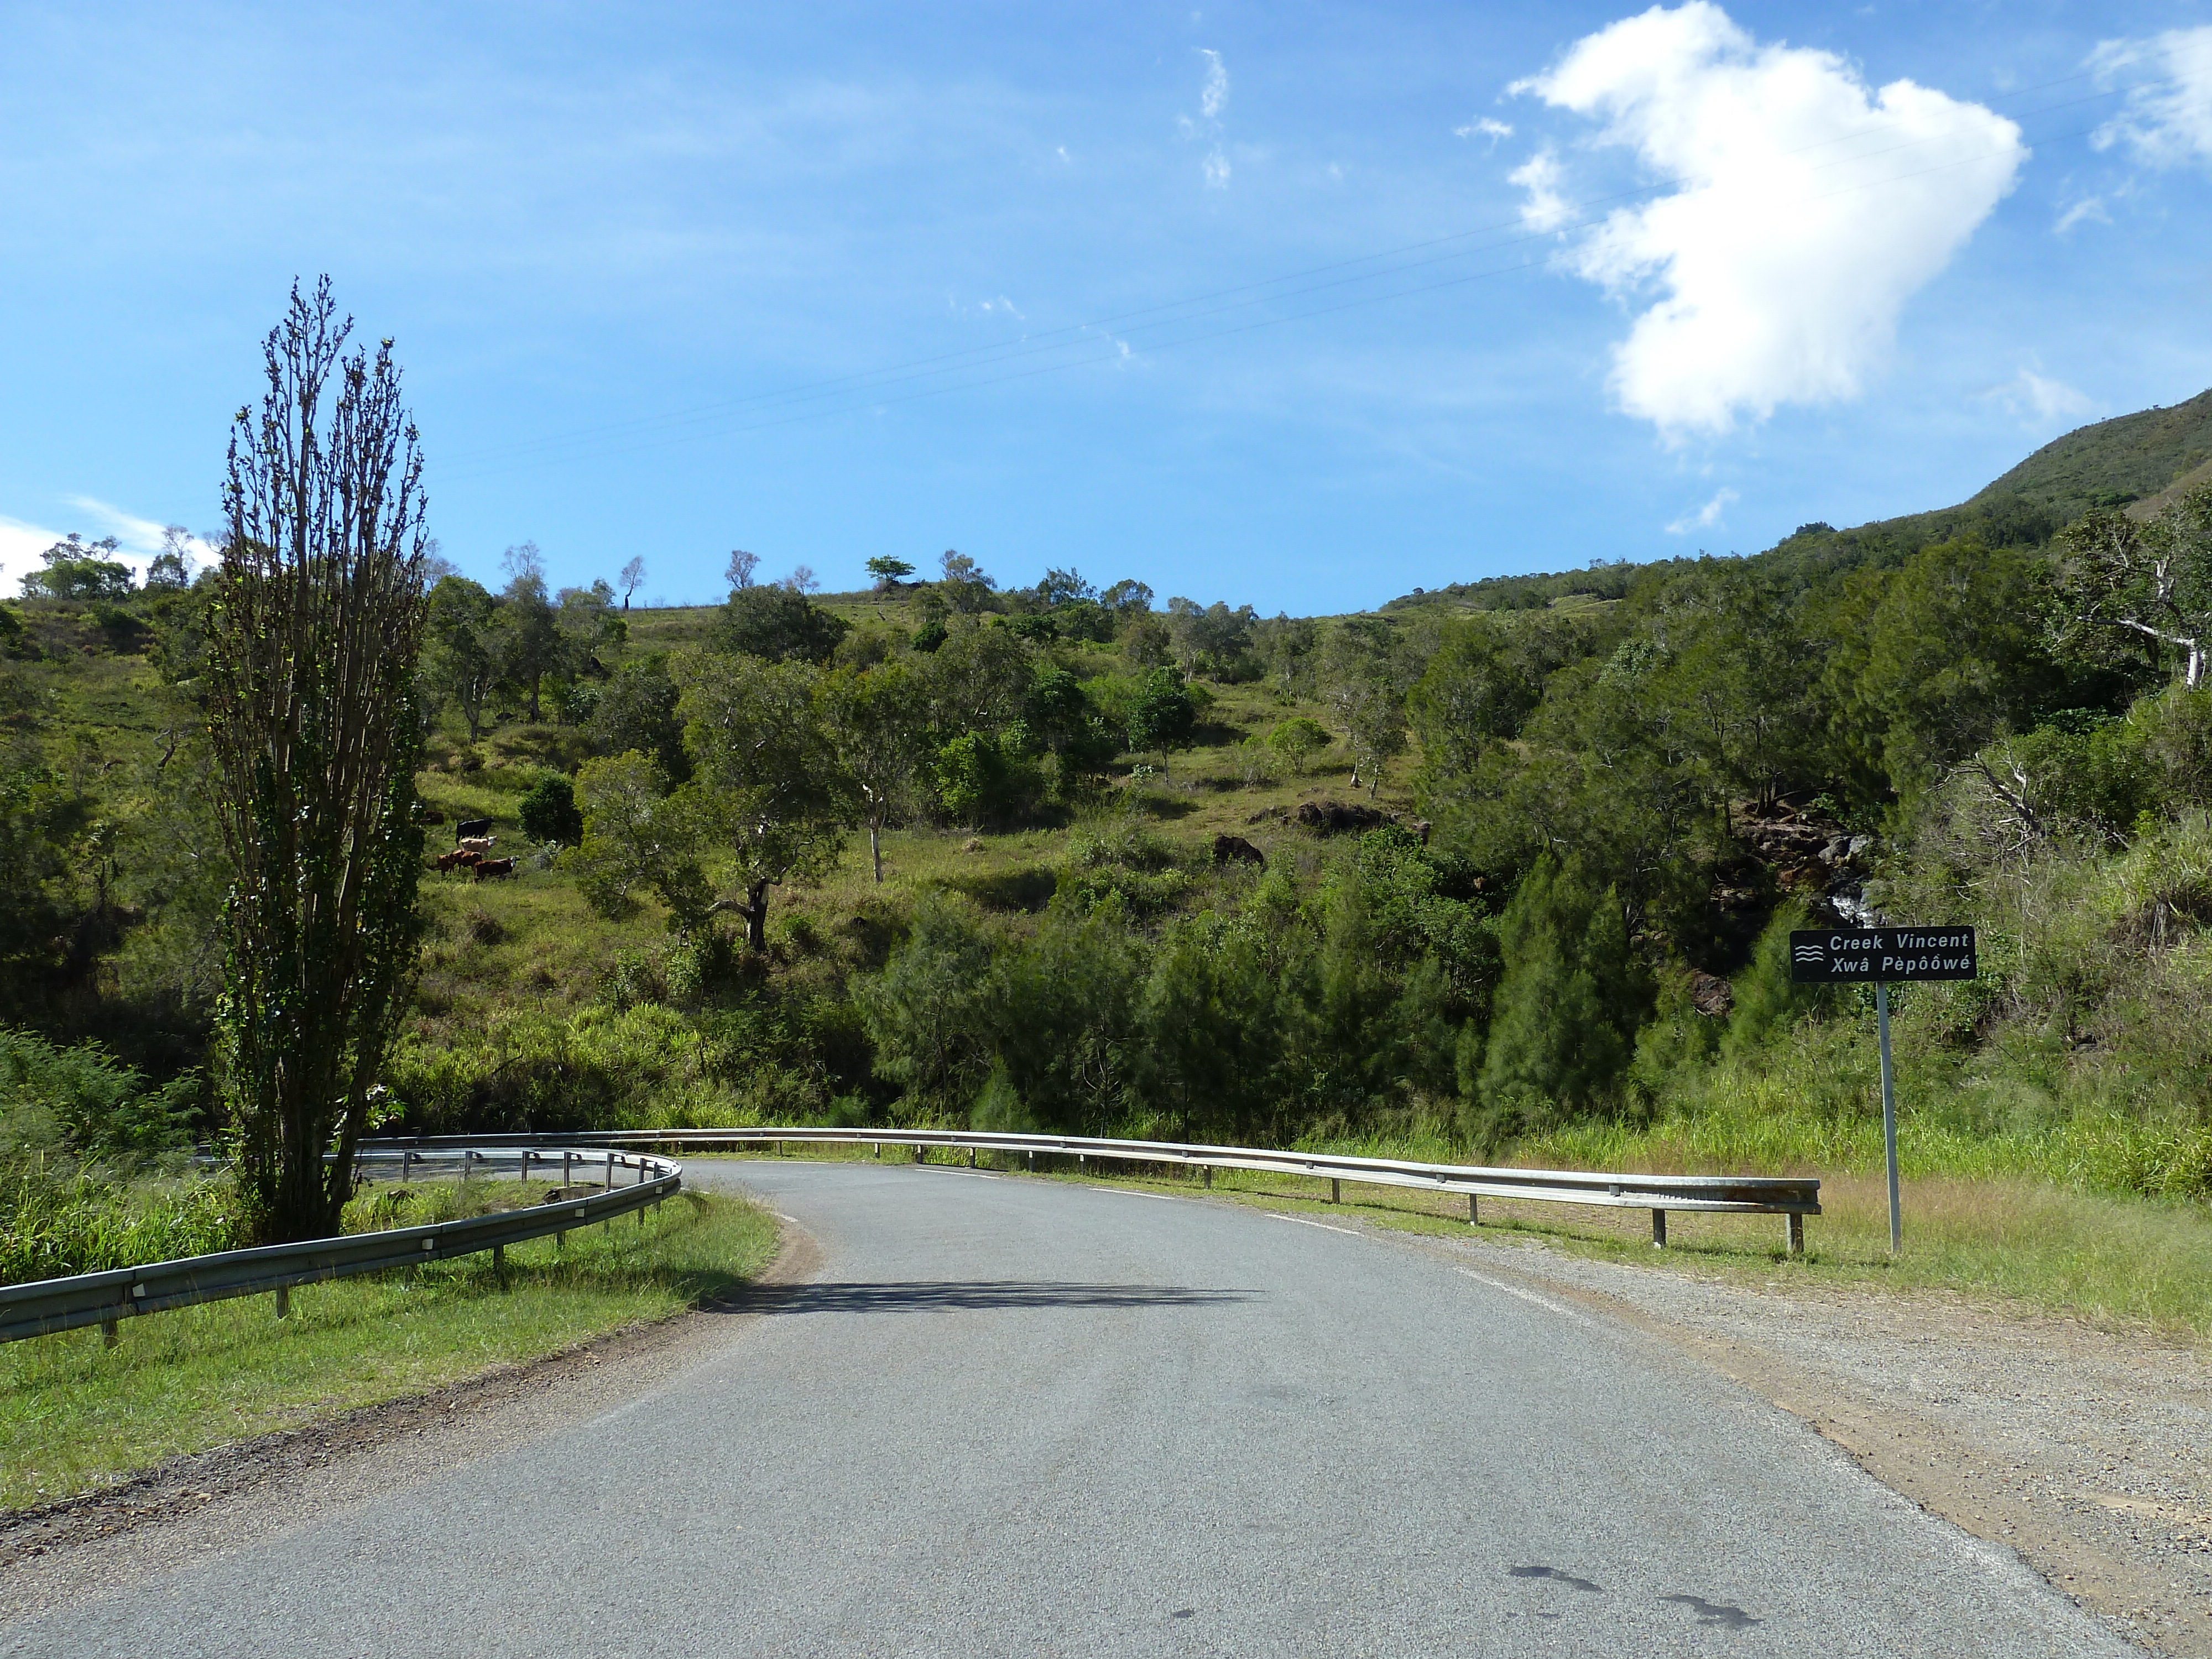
1020, 1417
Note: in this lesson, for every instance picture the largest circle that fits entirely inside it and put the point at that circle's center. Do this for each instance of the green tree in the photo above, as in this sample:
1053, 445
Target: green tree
2148, 584
77, 569
1569, 1002
877, 722
1941, 656
766, 774
1362, 668
636, 709
527, 629
318, 619
778, 624
461, 660
638, 838
1298, 740
887, 570
1162, 715
548, 812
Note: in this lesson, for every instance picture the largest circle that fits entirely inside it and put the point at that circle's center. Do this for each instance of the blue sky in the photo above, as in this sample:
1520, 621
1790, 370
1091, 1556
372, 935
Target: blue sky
826, 281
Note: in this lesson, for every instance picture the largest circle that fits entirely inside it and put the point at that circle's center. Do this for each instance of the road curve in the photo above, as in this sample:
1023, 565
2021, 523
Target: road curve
1022, 1418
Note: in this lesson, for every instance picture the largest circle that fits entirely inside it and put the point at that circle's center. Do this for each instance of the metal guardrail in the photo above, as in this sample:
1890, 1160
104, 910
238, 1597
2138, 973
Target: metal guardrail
1792, 1197
106, 1298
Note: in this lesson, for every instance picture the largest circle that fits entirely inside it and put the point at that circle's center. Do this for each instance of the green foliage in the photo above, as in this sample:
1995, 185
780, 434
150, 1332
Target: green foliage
1570, 999
1297, 740
1767, 1004
982, 779
76, 570
636, 711
778, 625
549, 813
85, 1103
1161, 713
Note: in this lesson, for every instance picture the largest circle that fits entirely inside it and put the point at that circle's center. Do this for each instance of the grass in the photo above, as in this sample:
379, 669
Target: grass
76, 1415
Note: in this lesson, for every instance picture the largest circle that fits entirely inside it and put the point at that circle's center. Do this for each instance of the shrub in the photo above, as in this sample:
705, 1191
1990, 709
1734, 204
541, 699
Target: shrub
549, 812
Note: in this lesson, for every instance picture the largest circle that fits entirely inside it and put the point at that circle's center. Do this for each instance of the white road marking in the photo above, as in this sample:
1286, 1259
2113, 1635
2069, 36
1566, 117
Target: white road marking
1131, 1192
973, 1174
1543, 1302
1304, 1221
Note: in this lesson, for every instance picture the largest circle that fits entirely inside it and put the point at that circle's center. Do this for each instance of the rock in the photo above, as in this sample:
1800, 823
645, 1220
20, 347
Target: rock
1330, 817
1711, 995
1235, 849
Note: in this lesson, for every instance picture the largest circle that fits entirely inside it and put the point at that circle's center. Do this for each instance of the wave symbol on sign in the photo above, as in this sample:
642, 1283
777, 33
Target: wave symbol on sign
1808, 953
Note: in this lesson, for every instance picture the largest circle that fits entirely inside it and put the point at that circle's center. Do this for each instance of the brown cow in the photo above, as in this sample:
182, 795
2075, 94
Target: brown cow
495, 869
457, 860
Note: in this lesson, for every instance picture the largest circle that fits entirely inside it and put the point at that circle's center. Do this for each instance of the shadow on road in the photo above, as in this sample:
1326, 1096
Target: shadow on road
923, 1296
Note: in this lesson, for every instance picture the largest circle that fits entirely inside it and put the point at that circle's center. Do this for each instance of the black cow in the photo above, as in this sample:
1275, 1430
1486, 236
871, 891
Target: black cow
468, 829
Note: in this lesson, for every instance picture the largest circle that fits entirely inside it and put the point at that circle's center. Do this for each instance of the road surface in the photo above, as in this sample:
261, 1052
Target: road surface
1023, 1418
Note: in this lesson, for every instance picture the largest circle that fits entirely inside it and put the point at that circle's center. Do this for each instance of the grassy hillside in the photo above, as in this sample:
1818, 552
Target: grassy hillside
2132, 458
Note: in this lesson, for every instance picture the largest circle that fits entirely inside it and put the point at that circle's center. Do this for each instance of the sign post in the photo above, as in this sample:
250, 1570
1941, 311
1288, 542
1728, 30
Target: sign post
1842, 955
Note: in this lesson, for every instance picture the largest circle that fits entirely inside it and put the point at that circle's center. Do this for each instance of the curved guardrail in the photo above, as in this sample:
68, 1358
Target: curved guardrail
106, 1298
628, 1182
1792, 1197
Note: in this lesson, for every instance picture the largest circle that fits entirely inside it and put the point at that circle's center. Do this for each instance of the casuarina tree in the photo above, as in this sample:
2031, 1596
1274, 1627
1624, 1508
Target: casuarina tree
317, 620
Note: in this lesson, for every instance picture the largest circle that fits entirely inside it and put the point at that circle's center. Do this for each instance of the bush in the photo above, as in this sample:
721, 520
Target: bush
85, 1102
549, 812
1569, 1003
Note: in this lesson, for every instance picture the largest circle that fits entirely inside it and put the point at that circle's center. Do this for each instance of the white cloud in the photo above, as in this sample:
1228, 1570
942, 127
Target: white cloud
1487, 128
2089, 207
137, 541
21, 545
2039, 400
1705, 517
1804, 211
1546, 209
2166, 121
1213, 97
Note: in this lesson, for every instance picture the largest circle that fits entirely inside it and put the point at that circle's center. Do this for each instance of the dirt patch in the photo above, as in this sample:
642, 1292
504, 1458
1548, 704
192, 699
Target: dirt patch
187, 1508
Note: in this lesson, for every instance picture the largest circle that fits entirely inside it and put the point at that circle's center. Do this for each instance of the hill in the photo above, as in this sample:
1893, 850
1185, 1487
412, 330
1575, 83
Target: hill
2139, 462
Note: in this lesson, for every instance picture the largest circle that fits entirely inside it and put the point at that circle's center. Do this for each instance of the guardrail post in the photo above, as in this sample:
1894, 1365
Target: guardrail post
283, 1301
1658, 1230
109, 1336
406, 1163
1209, 1177
499, 1264
1796, 1233
1333, 1197
1470, 1209
971, 1157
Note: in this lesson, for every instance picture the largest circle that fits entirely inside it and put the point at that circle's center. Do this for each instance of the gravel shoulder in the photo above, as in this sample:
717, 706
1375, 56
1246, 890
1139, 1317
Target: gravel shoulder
2087, 1450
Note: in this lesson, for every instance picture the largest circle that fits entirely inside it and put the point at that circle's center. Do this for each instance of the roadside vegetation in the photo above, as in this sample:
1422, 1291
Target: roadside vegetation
1504, 871
76, 1415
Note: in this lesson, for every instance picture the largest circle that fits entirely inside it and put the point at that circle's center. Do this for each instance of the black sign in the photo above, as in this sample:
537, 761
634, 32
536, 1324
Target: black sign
1835, 955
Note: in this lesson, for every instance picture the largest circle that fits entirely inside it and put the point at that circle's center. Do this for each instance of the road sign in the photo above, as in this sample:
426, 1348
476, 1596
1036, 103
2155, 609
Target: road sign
1846, 956
1837, 956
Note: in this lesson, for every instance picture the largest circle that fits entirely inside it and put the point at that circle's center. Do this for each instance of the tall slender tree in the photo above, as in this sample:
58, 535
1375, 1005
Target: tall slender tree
314, 630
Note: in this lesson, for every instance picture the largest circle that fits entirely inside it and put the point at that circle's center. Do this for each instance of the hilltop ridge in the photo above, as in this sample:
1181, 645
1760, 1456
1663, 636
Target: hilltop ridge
2139, 462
